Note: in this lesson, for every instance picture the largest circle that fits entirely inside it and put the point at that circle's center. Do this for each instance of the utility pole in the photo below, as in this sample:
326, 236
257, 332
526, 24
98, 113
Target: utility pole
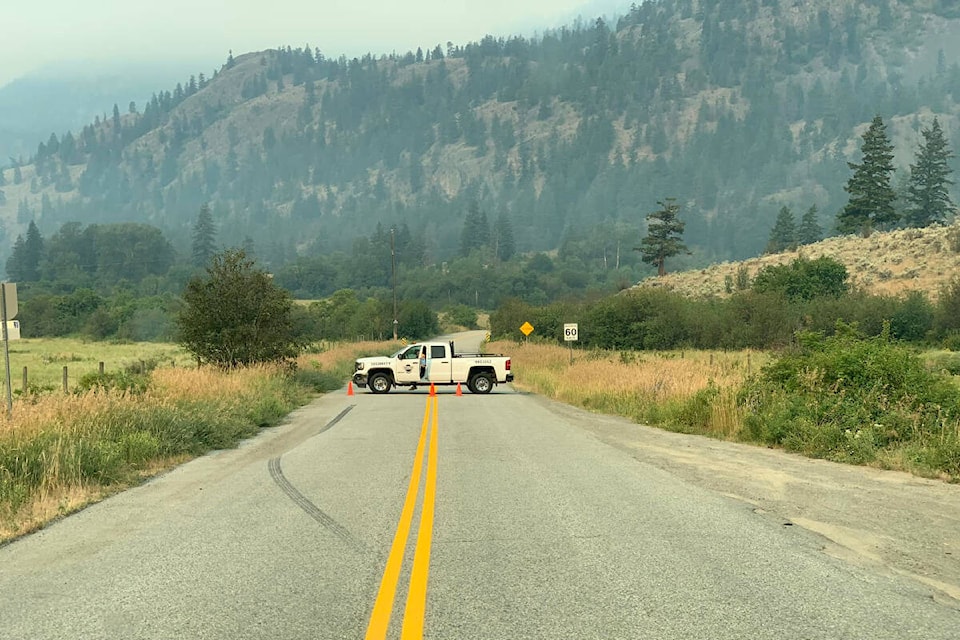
393, 265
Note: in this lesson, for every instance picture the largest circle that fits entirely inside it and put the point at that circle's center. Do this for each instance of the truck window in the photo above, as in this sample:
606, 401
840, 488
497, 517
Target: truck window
438, 351
410, 354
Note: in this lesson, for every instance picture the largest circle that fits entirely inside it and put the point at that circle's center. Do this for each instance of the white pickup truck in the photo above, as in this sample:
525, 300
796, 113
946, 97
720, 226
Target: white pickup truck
426, 363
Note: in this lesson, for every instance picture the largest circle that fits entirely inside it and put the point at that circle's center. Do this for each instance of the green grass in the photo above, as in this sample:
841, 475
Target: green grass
45, 359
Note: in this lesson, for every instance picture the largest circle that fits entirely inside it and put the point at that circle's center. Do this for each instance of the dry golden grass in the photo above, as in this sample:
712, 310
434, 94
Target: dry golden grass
890, 263
643, 386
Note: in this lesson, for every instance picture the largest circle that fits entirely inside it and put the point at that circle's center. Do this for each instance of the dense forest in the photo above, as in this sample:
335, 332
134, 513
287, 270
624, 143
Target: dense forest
521, 166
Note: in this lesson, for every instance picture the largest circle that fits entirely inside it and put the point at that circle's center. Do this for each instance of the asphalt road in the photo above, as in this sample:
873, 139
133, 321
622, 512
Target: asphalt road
540, 530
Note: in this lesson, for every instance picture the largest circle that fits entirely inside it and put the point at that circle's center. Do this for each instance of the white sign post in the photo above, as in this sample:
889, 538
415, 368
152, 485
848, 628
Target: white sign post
8, 311
571, 335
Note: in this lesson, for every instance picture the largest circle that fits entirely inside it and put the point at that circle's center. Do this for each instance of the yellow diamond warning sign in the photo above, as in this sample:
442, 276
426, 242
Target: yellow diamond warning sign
526, 328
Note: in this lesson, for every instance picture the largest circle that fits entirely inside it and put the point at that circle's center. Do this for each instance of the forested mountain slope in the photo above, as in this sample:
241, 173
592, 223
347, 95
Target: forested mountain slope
734, 107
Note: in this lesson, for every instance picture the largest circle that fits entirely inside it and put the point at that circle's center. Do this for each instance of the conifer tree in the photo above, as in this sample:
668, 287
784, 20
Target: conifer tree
783, 236
32, 254
809, 231
871, 193
204, 233
928, 195
476, 230
15, 262
503, 243
663, 236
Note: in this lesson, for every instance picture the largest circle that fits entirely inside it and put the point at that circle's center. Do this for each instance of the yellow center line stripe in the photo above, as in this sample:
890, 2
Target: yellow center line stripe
417, 593
383, 607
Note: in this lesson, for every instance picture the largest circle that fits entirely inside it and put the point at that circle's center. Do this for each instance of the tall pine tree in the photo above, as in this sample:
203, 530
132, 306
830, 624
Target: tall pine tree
783, 236
871, 193
809, 231
204, 234
664, 233
928, 195
503, 243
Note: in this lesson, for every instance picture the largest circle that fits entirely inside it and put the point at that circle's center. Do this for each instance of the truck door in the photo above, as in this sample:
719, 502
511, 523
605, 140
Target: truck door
441, 364
408, 365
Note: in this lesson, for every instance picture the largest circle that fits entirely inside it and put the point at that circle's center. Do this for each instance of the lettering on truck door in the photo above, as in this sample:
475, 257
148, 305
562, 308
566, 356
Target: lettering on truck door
440, 364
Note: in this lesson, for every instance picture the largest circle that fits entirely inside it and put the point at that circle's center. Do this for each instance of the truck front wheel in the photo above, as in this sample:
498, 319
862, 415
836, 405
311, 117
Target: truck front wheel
480, 383
379, 383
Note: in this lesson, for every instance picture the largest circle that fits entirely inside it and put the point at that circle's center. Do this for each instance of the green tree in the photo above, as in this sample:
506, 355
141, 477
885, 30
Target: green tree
235, 315
783, 236
928, 193
871, 194
476, 230
810, 231
204, 233
664, 233
24, 262
503, 243
15, 263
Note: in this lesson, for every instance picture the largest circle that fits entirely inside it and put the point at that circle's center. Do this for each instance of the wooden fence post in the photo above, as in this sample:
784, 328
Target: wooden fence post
65, 378
101, 368
23, 389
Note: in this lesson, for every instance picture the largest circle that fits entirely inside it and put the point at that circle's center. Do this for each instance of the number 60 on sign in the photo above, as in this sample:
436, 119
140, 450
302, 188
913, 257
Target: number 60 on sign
570, 332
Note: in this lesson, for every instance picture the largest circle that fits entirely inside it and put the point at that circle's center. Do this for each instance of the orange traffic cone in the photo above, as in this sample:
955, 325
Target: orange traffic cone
350, 388
459, 390
433, 389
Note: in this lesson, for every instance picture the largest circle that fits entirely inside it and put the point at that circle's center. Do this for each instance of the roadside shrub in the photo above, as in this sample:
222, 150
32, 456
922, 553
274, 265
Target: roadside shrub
846, 397
119, 380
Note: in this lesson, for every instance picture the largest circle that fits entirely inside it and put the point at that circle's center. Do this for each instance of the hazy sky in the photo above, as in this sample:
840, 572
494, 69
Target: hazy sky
40, 33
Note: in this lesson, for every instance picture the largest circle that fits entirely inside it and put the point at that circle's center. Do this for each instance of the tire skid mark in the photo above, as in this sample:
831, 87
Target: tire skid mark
335, 420
312, 510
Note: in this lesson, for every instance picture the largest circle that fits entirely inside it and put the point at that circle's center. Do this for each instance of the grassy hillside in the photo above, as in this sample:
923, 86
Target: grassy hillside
889, 263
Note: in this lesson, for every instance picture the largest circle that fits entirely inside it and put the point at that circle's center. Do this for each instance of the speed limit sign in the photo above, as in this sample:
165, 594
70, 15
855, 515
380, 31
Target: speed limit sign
570, 332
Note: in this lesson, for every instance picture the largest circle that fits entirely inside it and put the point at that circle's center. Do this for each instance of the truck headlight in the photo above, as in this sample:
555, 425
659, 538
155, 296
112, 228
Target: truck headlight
359, 366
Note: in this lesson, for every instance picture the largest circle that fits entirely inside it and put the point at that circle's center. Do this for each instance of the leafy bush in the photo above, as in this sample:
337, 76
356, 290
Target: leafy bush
847, 397
804, 279
121, 380
462, 315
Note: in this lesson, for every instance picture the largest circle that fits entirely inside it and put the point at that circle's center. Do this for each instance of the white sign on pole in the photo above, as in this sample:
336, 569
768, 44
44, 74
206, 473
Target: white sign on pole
13, 329
10, 296
570, 332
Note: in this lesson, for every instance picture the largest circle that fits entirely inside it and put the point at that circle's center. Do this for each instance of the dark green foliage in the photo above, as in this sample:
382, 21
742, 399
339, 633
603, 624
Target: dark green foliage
234, 315
462, 315
204, 235
847, 397
783, 236
913, 321
134, 383
476, 230
803, 279
947, 315
664, 234
417, 320
928, 193
871, 193
809, 230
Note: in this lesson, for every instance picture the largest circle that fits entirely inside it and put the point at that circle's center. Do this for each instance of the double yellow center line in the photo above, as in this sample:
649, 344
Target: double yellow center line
417, 592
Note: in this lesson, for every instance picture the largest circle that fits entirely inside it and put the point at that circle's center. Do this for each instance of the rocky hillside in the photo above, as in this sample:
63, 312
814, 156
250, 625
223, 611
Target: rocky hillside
733, 108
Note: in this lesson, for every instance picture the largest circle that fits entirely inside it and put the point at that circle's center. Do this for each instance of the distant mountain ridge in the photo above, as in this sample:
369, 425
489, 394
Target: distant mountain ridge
734, 108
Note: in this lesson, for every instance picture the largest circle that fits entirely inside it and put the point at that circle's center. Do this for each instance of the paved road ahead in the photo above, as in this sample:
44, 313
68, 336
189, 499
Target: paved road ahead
540, 531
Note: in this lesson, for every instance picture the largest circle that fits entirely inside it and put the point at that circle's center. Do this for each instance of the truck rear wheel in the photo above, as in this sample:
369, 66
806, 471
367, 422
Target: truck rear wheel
480, 383
379, 383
